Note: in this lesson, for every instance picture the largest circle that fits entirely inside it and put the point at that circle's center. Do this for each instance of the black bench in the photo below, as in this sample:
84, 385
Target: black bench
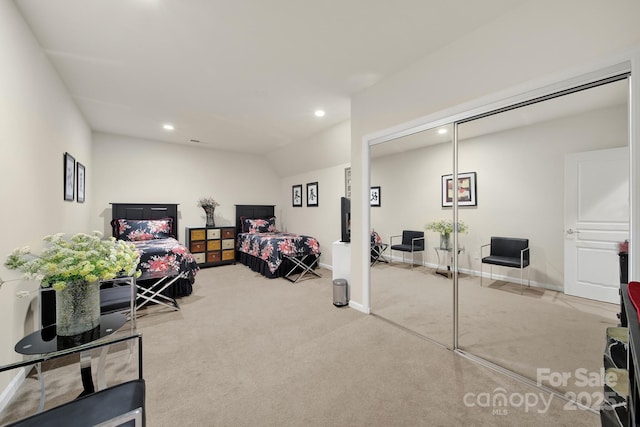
507, 252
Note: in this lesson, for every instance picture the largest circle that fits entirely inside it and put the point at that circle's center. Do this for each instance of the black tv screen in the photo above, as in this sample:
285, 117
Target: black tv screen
345, 219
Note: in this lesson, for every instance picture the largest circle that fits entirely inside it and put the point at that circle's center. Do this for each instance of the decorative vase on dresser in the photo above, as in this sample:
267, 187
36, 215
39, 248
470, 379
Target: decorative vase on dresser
210, 212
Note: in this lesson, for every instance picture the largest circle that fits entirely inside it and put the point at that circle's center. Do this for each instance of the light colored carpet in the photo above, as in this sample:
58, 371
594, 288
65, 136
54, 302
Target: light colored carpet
248, 351
530, 334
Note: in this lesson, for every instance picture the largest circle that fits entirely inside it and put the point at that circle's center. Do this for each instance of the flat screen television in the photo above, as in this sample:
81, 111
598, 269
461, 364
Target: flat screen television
345, 219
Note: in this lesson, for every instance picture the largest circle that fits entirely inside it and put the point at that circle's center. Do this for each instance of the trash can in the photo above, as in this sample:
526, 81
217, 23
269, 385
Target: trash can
340, 293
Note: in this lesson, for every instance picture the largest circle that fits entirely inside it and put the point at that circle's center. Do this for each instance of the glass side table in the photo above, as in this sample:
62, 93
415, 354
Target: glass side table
45, 344
445, 261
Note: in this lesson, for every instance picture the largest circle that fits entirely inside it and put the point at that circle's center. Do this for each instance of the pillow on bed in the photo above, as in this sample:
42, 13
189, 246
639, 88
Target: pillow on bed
136, 230
253, 226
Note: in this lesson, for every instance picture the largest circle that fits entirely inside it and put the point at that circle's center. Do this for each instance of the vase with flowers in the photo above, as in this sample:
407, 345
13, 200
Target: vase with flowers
209, 206
445, 227
74, 268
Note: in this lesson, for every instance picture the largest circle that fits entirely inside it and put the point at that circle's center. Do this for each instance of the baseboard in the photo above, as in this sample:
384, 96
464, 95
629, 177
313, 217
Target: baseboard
358, 306
12, 388
327, 266
487, 275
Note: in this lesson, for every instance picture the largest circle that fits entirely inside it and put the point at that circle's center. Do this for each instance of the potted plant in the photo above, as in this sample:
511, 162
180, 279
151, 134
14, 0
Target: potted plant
74, 268
445, 227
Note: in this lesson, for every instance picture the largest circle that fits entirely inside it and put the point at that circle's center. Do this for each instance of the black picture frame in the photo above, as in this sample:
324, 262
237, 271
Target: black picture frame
312, 194
296, 196
69, 174
467, 193
347, 183
80, 182
374, 197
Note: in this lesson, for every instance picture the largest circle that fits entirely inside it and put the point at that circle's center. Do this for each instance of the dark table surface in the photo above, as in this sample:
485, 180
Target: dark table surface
46, 340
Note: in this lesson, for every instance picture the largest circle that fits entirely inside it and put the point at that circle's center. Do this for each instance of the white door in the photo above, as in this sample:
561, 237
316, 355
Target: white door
596, 219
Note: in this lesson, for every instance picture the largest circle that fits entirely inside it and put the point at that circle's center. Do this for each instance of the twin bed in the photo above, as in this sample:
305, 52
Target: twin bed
261, 247
168, 269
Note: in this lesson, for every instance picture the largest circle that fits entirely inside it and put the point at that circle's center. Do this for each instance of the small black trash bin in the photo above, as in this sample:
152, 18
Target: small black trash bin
340, 293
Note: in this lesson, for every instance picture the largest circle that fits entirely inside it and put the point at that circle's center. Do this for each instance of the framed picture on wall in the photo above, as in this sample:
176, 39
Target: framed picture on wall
296, 196
312, 194
347, 183
69, 176
80, 178
374, 198
466, 189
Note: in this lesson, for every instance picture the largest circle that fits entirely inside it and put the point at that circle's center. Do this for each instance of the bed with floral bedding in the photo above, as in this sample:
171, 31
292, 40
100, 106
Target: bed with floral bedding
264, 249
165, 263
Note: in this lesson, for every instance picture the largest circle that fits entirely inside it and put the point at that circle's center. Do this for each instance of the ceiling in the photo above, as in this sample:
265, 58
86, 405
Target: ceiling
237, 75
599, 97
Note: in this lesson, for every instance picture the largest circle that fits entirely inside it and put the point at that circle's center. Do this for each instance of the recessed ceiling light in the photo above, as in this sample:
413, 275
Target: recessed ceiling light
168, 126
319, 113
442, 131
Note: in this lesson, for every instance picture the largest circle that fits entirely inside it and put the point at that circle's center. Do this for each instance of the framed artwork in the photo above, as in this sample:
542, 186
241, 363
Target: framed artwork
466, 189
69, 176
374, 198
296, 196
312, 194
347, 183
80, 178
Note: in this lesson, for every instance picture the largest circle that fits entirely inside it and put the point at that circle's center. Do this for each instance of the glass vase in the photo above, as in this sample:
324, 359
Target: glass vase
445, 241
77, 308
210, 211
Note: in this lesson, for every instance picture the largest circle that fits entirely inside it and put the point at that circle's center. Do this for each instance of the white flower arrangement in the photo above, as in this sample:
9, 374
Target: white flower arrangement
82, 258
445, 226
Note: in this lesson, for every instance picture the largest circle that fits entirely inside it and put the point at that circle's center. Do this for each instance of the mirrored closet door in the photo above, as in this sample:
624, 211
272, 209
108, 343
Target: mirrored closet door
535, 167
412, 289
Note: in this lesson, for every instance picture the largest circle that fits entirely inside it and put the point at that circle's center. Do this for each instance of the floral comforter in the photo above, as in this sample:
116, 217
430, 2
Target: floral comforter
272, 247
165, 257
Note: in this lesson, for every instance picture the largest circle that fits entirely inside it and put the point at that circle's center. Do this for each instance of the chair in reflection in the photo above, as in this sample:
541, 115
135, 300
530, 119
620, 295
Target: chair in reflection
506, 252
377, 248
412, 242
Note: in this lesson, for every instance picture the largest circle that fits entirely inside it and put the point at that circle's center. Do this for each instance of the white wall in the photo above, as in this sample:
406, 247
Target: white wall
520, 192
322, 222
39, 122
326, 149
532, 42
134, 170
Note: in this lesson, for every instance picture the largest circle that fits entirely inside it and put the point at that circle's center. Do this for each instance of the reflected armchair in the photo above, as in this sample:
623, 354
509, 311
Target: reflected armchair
506, 252
412, 241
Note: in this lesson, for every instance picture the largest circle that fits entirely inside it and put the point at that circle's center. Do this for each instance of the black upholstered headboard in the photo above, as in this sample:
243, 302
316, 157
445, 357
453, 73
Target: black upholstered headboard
145, 211
252, 211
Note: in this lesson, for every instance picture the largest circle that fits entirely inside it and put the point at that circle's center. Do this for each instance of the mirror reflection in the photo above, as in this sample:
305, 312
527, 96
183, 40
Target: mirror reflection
543, 171
551, 178
411, 282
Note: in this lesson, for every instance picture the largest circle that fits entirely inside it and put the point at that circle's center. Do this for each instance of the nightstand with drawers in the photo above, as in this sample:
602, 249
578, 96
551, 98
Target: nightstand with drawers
212, 246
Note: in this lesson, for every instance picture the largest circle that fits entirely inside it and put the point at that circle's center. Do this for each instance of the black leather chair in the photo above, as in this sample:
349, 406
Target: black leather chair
412, 241
507, 252
113, 406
